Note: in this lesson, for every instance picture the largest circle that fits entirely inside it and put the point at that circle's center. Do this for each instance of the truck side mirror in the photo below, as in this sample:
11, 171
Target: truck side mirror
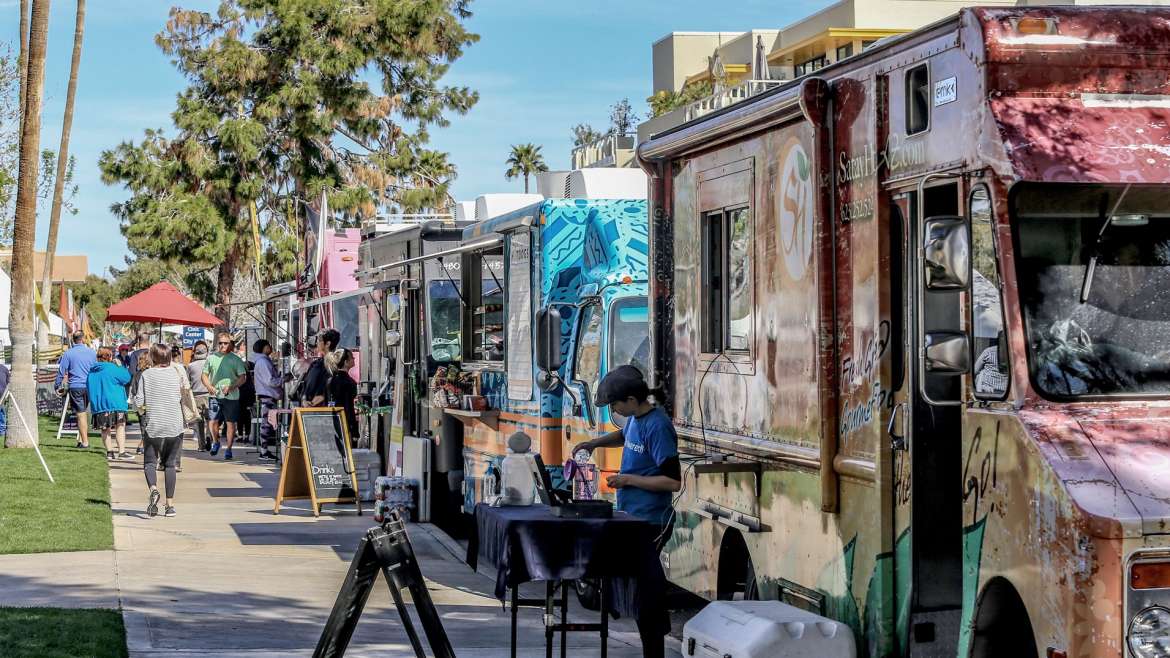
393, 338
946, 253
548, 339
947, 353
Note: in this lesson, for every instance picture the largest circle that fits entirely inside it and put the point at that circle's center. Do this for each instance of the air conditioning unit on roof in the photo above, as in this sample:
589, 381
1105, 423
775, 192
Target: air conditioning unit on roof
607, 183
493, 205
552, 184
464, 211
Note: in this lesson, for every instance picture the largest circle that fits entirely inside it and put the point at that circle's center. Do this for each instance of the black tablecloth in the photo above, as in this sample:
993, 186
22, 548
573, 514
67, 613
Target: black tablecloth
530, 543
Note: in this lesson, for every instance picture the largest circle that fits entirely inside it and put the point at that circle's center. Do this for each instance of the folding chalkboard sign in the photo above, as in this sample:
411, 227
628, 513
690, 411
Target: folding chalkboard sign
319, 461
386, 549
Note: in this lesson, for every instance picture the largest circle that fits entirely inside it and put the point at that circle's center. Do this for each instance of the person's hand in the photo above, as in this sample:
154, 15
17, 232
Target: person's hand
587, 446
618, 480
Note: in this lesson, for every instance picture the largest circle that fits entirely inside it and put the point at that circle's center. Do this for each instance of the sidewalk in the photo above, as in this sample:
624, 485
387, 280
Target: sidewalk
227, 577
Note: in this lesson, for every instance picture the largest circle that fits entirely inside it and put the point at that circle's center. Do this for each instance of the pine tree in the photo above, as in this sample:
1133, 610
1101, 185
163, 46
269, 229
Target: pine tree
278, 110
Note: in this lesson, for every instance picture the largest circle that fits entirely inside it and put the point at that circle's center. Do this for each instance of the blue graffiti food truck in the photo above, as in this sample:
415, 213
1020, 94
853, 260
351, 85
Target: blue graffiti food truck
578, 266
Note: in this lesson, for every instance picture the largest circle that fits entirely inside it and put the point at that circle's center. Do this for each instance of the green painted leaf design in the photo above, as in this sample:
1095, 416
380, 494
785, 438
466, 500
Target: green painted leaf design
802, 165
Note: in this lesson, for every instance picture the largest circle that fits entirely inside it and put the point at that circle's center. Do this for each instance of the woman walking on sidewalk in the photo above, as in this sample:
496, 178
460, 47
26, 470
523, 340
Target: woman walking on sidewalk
107, 383
159, 399
143, 364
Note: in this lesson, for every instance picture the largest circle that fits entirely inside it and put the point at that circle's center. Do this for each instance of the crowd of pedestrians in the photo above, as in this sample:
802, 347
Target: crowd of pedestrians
213, 395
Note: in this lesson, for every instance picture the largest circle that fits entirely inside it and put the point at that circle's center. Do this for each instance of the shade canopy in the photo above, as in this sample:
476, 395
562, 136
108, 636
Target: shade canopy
161, 303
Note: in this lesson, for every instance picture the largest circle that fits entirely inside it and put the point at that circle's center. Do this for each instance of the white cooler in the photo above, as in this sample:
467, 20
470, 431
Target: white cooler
758, 629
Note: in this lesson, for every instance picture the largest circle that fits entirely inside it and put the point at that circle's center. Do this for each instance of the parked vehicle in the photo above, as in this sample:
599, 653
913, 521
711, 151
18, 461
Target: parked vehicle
409, 318
577, 268
909, 315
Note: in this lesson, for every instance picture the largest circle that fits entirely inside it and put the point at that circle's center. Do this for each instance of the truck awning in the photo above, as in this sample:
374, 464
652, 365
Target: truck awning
470, 246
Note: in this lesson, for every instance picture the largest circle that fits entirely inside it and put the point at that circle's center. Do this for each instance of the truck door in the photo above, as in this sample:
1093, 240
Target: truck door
925, 436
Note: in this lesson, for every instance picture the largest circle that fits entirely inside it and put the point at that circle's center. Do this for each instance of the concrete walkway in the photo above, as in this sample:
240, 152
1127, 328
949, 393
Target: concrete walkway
227, 577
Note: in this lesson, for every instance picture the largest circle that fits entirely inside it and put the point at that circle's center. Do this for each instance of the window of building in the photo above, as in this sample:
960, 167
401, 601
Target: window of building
810, 65
844, 51
727, 280
867, 43
917, 99
990, 370
485, 305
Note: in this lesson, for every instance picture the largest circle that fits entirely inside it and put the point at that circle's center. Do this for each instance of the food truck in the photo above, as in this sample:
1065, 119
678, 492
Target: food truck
576, 267
909, 312
409, 325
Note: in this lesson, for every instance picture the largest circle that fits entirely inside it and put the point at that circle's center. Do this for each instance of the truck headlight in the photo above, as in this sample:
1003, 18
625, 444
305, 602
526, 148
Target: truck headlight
1149, 633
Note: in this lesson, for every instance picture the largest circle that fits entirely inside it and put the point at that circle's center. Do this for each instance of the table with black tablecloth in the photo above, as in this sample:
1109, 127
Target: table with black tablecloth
533, 544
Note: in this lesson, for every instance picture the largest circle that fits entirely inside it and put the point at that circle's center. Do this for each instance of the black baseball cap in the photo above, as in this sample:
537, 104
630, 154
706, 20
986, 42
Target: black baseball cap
621, 383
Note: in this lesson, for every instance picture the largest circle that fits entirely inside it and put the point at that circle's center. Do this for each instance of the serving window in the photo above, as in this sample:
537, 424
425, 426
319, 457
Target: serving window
726, 287
483, 273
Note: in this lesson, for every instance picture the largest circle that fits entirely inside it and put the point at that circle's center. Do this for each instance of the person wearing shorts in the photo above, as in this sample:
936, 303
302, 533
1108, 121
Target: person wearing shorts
72, 374
223, 376
106, 385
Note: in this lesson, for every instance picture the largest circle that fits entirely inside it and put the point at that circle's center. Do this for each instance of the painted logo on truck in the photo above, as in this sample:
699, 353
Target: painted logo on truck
796, 210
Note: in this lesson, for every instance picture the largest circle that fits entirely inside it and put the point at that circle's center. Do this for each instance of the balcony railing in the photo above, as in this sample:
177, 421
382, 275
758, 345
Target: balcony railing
387, 223
603, 152
729, 96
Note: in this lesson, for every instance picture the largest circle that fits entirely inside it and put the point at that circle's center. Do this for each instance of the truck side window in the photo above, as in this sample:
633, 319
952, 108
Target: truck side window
917, 99
990, 371
587, 362
485, 301
727, 280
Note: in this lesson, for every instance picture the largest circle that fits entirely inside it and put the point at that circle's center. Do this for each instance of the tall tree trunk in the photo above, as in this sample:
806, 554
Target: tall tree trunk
62, 168
226, 281
20, 326
22, 66
526, 182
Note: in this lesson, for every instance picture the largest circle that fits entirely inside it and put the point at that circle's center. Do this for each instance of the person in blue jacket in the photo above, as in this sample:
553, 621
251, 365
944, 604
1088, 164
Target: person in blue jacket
107, 383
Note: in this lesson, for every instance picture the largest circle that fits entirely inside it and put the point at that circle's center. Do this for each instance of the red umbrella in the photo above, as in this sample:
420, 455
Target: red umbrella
161, 303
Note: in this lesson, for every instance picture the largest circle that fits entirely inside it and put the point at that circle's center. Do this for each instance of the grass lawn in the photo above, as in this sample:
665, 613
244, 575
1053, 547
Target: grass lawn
74, 514
61, 633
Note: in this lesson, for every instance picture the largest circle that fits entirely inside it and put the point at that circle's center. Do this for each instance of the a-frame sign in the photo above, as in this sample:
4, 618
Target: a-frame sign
318, 463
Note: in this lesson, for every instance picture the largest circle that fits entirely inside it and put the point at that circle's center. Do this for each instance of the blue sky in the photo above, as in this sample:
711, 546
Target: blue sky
541, 66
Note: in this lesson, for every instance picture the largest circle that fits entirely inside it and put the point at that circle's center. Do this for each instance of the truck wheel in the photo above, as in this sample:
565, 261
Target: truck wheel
737, 574
1002, 627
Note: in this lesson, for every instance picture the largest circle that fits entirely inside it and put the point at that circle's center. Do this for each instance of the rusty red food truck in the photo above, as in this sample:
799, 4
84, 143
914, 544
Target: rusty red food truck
912, 317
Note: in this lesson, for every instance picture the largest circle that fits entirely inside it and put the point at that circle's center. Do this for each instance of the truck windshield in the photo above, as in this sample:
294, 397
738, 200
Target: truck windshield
1116, 342
629, 336
445, 308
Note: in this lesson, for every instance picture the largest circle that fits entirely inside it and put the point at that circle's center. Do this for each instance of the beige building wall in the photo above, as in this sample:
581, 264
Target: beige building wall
679, 55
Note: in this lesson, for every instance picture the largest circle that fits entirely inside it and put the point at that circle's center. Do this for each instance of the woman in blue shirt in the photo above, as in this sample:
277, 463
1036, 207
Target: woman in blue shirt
650, 471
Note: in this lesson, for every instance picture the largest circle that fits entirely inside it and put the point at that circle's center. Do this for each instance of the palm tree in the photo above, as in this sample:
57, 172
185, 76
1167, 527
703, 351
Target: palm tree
20, 326
524, 160
22, 66
62, 164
